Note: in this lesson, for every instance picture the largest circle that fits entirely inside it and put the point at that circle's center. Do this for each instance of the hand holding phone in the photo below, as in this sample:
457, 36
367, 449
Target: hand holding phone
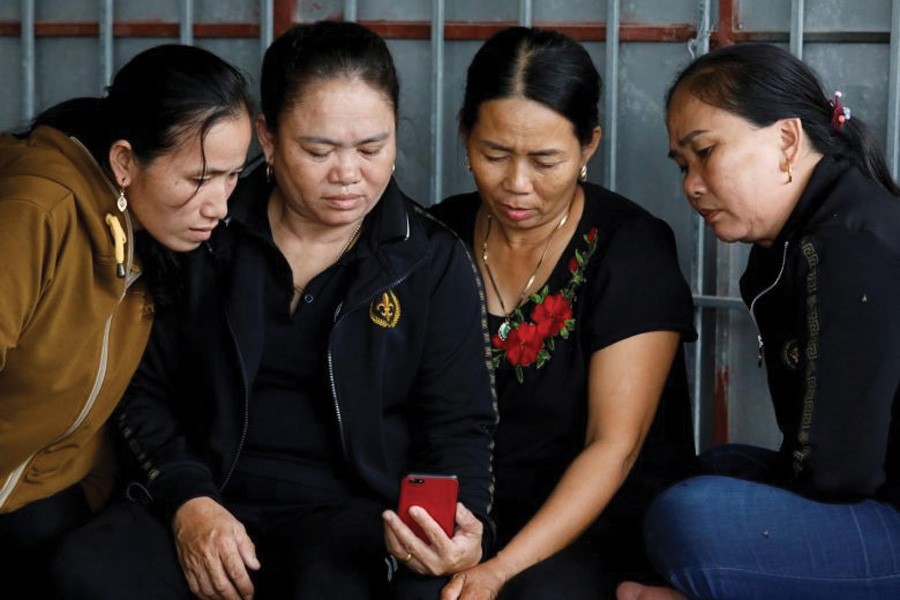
434, 493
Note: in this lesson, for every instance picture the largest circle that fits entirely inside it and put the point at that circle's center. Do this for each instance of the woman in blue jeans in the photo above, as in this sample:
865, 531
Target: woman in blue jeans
769, 159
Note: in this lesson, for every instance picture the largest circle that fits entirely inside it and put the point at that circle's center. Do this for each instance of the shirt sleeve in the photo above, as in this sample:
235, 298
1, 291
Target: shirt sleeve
852, 366
29, 248
636, 285
457, 414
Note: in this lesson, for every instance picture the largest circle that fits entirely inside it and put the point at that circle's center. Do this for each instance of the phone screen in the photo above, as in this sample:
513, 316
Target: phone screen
436, 494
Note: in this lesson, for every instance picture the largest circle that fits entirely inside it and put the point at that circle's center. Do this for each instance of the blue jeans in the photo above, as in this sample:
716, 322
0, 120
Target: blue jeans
718, 536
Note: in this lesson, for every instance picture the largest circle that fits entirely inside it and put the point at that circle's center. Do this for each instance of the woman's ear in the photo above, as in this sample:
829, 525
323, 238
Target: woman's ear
791, 137
122, 161
589, 149
265, 136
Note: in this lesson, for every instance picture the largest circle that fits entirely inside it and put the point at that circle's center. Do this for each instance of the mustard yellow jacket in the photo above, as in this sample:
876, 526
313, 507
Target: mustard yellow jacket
71, 330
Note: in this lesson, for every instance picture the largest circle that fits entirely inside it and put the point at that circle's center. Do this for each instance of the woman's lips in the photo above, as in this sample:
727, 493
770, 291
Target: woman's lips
708, 213
514, 213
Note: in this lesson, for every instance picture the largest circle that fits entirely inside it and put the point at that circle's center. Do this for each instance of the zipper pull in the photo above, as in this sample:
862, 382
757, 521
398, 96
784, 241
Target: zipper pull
759, 356
119, 240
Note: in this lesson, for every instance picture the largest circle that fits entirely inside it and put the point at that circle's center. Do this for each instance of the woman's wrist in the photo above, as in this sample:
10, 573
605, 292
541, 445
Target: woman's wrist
503, 567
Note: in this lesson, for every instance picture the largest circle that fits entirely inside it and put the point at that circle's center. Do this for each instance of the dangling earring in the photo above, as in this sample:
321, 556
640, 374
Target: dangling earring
790, 173
121, 201
270, 172
468, 164
582, 175
393, 168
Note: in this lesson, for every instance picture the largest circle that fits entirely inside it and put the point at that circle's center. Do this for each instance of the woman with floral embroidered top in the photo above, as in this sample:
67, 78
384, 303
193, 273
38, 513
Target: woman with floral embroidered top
588, 309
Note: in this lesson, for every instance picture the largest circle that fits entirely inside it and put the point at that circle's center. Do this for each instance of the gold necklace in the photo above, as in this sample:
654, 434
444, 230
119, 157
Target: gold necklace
505, 327
344, 251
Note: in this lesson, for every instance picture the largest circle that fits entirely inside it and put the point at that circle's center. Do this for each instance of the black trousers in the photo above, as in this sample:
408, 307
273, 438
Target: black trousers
29, 535
334, 552
589, 568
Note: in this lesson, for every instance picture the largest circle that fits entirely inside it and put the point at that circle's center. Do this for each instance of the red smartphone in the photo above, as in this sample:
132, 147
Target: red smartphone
436, 494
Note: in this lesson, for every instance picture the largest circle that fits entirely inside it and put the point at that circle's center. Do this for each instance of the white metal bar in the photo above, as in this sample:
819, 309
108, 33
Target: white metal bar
28, 60
266, 25
187, 22
700, 44
611, 98
893, 113
437, 99
723, 302
106, 43
698, 47
796, 37
350, 10
526, 18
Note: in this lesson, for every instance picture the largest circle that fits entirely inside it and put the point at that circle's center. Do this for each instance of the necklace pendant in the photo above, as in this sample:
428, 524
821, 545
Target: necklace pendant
504, 329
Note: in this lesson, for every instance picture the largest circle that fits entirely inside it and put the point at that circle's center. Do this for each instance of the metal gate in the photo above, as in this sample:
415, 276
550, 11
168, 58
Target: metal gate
51, 50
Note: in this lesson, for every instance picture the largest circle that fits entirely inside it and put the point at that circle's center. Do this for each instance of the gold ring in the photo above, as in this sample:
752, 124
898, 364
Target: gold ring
407, 557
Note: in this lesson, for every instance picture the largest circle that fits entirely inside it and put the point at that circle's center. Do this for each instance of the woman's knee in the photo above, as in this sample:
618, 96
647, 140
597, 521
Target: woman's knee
682, 518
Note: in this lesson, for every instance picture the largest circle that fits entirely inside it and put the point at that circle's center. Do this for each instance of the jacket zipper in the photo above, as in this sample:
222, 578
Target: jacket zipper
244, 387
339, 318
16, 476
759, 340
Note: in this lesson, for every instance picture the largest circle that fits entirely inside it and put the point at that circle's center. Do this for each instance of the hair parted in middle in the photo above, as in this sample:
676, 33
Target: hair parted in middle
545, 66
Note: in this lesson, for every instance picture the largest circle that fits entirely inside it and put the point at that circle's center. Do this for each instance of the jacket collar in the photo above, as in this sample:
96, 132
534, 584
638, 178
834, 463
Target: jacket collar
828, 170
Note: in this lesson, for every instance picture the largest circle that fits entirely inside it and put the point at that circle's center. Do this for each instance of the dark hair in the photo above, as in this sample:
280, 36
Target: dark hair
158, 98
764, 83
541, 65
319, 51
155, 99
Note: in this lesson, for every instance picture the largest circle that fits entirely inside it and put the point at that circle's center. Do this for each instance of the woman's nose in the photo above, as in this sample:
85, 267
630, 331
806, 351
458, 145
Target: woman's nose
216, 205
517, 177
346, 169
693, 184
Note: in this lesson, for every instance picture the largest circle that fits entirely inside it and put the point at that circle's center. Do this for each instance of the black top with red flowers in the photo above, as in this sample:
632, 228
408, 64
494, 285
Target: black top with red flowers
618, 277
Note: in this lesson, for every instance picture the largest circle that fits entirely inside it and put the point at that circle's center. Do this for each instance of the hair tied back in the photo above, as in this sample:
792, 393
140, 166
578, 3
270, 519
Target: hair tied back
840, 114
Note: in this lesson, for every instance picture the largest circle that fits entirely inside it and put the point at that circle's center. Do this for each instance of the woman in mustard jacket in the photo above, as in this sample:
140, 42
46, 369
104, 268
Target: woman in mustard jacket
93, 200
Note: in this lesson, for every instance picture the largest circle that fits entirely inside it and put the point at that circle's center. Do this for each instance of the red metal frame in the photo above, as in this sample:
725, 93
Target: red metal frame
724, 33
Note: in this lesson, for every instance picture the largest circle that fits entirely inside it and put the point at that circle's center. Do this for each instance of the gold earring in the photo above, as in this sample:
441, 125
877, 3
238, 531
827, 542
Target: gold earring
582, 175
270, 172
468, 164
790, 173
121, 201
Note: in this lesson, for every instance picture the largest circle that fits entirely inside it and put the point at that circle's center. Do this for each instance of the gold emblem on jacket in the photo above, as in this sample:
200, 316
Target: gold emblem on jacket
385, 309
790, 354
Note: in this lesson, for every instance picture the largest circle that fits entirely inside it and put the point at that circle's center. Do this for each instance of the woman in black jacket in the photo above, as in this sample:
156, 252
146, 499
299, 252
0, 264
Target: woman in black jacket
317, 358
769, 159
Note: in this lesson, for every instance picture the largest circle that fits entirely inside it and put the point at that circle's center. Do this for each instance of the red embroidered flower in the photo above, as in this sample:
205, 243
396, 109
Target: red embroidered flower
523, 344
551, 315
531, 342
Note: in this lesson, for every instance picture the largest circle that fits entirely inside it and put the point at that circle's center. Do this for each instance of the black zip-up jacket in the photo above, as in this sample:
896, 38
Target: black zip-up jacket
826, 300
412, 394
